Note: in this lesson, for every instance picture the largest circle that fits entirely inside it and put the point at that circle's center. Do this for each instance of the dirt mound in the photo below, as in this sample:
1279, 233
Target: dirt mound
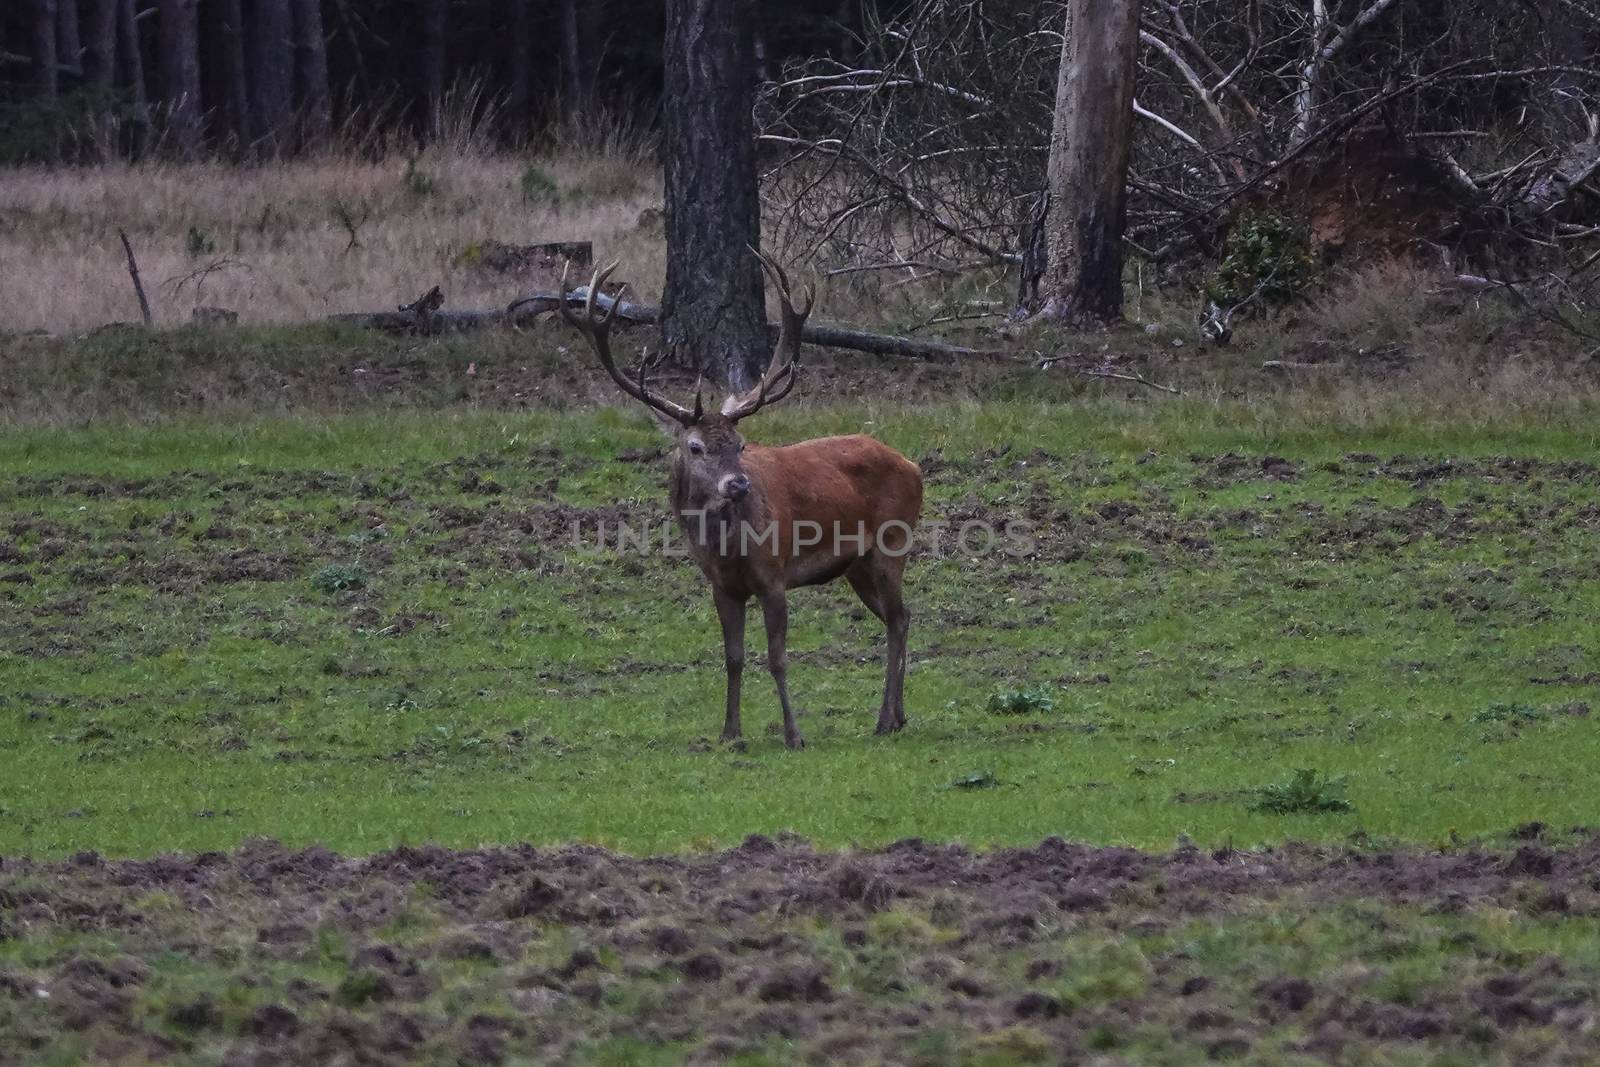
1371, 197
272, 954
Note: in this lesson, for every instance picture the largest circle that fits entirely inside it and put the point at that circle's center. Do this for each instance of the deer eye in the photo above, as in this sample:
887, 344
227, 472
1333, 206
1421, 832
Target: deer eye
696, 447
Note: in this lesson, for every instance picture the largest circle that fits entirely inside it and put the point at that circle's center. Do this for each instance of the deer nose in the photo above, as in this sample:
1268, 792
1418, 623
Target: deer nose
737, 487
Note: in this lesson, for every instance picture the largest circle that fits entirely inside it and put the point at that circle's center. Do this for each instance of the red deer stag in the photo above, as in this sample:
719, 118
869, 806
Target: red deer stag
761, 521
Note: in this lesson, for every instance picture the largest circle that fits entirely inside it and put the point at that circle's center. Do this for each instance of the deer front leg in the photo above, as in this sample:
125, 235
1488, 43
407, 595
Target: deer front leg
898, 620
775, 607
731, 611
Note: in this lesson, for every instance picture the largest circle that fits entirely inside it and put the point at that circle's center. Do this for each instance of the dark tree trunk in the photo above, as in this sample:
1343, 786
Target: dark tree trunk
180, 74
131, 54
232, 81
1564, 97
100, 46
1086, 210
46, 64
572, 80
311, 71
69, 46
519, 72
845, 17
712, 309
435, 14
354, 47
100, 70
271, 60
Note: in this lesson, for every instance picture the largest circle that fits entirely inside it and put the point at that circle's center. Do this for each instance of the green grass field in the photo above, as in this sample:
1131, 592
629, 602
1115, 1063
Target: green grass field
372, 629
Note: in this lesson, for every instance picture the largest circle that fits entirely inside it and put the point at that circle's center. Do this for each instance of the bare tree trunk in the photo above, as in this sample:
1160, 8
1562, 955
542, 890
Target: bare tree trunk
100, 46
69, 46
132, 57
46, 64
354, 43
1088, 168
271, 58
100, 69
571, 58
519, 62
435, 15
311, 71
180, 73
712, 308
234, 75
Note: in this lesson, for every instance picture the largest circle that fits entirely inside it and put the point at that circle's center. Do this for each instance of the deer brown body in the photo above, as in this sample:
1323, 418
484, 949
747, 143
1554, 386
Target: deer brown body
760, 521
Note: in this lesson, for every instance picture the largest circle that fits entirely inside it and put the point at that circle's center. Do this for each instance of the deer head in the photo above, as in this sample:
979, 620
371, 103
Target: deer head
709, 470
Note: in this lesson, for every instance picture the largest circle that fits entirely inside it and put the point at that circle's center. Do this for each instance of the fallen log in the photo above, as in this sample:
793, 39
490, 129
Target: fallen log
524, 312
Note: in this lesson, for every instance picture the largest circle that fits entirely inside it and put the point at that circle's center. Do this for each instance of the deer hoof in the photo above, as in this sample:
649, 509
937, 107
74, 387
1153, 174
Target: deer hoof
794, 742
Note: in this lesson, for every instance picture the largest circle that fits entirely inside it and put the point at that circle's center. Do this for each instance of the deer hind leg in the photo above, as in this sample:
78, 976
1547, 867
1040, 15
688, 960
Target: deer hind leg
731, 611
775, 608
876, 580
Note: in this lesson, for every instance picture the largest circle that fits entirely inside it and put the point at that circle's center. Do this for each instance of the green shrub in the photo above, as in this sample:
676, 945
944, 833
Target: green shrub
1264, 254
337, 577
976, 780
1036, 699
1507, 712
1305, 793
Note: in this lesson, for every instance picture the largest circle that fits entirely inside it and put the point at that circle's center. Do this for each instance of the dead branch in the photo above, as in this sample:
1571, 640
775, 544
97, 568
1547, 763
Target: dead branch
1107, 374
138, 286
900, 190
200, 276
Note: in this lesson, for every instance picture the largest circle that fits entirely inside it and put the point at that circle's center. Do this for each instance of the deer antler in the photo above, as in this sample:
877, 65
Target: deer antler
597, 328
784, 369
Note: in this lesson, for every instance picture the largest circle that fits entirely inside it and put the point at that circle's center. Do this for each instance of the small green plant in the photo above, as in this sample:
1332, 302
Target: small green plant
976, 780
1507, 712
1304, 793
360, 987
419, 183
1033, 700
538, 187
338, 577
199, 242
1014, 1044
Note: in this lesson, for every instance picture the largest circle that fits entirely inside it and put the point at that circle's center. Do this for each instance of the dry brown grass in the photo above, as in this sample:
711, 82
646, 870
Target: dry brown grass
282, 251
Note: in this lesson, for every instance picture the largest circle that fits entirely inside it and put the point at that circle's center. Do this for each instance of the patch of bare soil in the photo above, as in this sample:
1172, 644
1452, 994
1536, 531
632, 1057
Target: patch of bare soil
481, 956
1372, 197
